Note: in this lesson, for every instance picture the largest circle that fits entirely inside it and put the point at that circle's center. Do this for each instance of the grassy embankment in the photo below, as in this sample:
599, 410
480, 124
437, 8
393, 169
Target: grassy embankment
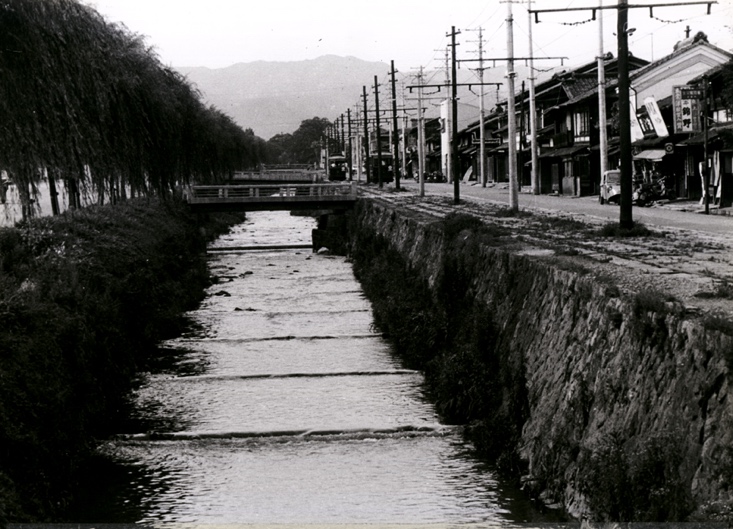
84, 297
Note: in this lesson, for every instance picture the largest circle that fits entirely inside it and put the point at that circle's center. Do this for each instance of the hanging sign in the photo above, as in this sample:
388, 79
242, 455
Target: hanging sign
686, 102
656, 117
637, 133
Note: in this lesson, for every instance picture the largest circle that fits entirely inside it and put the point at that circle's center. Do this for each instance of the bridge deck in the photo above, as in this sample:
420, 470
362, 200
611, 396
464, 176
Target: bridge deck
287, 175
272, 197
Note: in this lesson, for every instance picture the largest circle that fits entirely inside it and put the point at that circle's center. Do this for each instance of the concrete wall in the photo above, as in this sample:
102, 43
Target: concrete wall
599, 364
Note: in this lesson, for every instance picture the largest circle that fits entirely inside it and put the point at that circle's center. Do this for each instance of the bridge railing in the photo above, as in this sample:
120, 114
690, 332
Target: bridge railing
272, 192
279, 175
285, 166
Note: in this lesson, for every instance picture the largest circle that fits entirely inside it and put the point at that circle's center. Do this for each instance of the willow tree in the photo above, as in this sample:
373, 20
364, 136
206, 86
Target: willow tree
87, 101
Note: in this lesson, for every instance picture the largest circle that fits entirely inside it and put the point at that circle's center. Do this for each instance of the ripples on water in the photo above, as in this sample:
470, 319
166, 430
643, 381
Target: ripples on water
284, 406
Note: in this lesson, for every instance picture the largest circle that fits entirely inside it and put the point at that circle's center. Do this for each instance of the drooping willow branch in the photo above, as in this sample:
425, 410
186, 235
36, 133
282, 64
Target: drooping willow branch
88, 101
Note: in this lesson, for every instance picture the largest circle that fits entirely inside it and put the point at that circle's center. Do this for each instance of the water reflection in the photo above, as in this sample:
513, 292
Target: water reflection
399, 479
283, 405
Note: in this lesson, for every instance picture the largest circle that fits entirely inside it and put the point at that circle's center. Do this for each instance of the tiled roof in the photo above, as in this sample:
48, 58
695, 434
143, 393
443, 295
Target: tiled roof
580, 85
679, 51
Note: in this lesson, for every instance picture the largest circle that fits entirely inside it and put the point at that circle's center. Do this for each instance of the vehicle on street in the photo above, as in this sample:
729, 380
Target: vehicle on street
338, 168
610, 187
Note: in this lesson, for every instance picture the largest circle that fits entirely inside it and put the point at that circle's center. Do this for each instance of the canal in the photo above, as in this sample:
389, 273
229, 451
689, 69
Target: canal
282, 404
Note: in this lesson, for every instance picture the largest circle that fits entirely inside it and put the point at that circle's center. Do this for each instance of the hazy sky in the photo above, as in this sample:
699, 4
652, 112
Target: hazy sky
219, 33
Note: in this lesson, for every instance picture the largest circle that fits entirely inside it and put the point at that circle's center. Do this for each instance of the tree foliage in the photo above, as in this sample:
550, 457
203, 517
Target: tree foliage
302, 146
87, 101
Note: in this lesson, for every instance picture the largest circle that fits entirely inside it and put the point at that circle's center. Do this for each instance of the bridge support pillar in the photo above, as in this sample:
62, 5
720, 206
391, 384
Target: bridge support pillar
332, 232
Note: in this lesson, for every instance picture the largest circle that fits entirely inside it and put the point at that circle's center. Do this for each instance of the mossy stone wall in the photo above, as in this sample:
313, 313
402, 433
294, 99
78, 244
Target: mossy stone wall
612, 404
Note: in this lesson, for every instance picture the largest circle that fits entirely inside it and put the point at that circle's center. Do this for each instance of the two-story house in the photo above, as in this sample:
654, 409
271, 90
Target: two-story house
717, 141
668, 152
568, 125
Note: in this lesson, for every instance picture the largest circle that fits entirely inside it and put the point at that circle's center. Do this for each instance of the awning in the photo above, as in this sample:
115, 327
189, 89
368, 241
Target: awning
649, 143
713, 133
653, 155
562, 152
504, 147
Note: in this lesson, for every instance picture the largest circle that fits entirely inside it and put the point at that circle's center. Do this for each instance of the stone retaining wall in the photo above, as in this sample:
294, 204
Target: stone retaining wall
620, 389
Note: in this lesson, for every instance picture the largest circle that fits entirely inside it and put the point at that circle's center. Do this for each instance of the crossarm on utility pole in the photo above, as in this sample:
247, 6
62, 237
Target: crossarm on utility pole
624, 114
593, 9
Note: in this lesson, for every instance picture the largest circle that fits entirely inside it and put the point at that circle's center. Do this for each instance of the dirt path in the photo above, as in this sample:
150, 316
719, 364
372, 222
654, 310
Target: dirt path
692, 266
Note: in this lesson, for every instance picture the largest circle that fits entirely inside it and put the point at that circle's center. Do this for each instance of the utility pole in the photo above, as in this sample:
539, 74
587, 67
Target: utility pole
454, 122
482, 133
379, 133
343, 139
626, 220
366, 136
447, 65
336, 138
420, 135
350, 157
403, 150
454, 118
706, 176
602, 119
357, 150
420, 86
449, 111
520, 165
512, 117
327, 154
395, 134
532, 112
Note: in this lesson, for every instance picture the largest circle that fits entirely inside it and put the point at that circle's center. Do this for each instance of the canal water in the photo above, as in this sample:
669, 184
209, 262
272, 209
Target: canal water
283, 404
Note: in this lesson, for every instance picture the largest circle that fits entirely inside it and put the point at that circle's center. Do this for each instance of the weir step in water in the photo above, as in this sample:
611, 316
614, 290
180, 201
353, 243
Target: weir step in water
283, 404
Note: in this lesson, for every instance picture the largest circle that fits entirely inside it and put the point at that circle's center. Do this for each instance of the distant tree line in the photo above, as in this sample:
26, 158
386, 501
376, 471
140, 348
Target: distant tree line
86, 101
301, 146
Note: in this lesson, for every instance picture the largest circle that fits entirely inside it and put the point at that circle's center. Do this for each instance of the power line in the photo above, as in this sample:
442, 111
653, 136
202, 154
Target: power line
622, 8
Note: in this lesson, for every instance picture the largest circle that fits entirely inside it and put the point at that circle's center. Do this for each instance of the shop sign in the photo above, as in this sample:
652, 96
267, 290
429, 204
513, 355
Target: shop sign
656, 117
637, 133
686, 102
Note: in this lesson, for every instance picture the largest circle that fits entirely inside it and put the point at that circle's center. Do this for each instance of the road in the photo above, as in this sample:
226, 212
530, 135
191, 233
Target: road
679, 214
694, 257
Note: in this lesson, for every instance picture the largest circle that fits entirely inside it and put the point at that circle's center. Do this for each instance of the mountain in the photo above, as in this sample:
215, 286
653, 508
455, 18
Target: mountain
274, 97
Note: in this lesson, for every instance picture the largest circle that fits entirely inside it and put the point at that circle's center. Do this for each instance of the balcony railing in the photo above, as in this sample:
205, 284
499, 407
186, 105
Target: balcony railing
563, 139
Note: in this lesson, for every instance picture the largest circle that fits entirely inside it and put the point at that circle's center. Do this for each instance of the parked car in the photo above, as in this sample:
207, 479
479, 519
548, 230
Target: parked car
610, 187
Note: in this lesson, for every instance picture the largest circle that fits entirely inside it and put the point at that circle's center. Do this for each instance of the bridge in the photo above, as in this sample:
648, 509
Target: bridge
284, 173
271, 197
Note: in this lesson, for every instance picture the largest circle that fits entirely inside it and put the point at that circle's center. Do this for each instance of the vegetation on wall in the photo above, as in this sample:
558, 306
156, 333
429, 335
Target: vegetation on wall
84, 297
641, 483
477, 378
88, 102
449, 335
